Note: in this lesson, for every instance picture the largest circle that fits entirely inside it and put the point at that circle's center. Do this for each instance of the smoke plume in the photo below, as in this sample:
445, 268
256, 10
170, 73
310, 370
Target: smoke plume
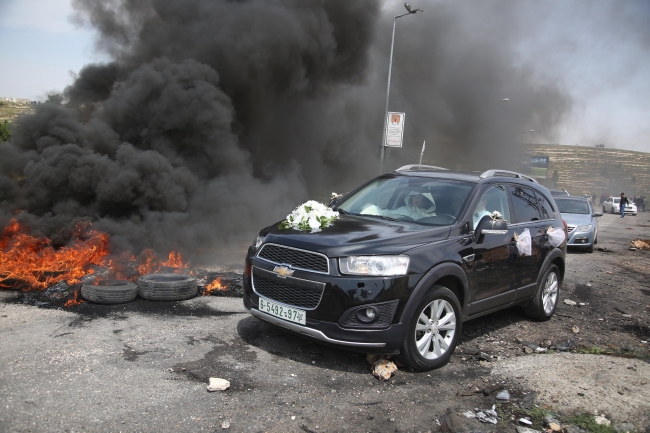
216, 118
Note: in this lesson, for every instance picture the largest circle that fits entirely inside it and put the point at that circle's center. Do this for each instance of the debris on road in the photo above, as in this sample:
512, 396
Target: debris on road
575, 329
218, 384
570, 302
566, 345
641, 244
487, 415
382, 367
602, 420
503, 395
525, 421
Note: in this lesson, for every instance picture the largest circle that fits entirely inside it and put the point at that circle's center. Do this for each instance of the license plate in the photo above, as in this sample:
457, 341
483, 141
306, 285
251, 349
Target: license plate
282, 311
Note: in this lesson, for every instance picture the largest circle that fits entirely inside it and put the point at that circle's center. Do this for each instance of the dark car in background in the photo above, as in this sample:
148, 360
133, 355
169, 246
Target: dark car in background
413, 254
582, 221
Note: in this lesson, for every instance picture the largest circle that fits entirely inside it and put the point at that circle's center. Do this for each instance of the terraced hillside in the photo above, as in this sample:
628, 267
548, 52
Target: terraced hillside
10, 110
592, 170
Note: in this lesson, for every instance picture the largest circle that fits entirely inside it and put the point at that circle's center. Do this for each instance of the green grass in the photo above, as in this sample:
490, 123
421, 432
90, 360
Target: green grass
586, 421
611, 351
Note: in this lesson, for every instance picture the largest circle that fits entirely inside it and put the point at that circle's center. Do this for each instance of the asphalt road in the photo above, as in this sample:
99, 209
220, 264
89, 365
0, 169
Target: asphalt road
144, 366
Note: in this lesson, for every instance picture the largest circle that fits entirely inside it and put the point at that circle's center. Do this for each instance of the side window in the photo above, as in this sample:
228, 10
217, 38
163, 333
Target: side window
494, 199
525, 204
545, 208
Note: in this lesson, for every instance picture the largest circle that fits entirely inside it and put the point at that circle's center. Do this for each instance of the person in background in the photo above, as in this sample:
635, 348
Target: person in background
622, 204
644, 203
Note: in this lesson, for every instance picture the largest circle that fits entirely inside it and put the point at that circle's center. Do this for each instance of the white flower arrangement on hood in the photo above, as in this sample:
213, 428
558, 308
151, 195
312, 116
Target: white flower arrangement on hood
311, 216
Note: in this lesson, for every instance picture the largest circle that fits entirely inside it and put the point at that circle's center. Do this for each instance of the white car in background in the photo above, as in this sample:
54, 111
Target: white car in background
613, 205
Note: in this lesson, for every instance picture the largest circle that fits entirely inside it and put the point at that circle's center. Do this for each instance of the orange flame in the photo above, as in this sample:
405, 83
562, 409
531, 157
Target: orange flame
75, 300
215, 285
32, 262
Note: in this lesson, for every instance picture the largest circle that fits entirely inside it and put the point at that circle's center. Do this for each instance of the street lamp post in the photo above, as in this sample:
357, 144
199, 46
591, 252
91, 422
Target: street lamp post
382, 149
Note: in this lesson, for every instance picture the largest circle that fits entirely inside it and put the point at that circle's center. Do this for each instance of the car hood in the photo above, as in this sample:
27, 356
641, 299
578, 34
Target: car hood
576, 219
353, 235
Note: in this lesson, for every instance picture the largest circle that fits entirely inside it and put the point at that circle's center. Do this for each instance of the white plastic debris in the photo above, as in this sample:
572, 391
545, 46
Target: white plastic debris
503, 395
218, 384
601, 420
524, 243
569, 302
525, 421
469, 414
555, 236
487, 415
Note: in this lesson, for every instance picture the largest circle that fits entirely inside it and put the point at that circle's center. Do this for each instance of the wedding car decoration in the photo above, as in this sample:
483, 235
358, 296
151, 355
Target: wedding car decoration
311, 216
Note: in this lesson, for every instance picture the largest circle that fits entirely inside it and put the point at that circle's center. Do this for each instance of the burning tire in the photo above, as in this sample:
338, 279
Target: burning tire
167, 287
110, 292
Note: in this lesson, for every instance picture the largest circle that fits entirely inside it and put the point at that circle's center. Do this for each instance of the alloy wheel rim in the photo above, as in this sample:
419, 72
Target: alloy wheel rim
549, 296
435, 329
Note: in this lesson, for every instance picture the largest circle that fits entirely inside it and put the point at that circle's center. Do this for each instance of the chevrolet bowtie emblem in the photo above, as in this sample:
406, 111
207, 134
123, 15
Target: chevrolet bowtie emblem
282, 271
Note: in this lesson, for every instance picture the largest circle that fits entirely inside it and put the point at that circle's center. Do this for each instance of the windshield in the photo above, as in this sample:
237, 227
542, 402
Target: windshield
420, 199
617, 200
573, 206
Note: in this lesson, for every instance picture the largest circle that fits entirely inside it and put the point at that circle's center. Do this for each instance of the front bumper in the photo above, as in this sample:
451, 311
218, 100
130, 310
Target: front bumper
581, 239
340, 294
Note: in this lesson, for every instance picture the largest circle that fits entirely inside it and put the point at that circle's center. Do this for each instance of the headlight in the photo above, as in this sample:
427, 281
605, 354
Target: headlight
257, 243
584, 228
379, 266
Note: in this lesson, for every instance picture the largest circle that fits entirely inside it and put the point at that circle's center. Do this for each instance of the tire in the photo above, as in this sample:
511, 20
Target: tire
547, 296
590, 248
110, 292
431, 335
167, 287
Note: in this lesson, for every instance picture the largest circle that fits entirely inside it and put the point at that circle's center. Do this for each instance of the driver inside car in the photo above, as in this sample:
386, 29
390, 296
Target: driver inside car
418, 206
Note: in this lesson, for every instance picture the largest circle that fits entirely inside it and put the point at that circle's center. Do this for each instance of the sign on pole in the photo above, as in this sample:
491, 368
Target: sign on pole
395, 129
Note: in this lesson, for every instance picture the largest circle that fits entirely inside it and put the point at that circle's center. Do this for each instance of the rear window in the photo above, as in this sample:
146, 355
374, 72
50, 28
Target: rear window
573, 206
525, 204
545, 208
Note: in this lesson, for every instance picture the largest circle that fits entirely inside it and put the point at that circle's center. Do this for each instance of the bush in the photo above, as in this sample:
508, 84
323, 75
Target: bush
5, 132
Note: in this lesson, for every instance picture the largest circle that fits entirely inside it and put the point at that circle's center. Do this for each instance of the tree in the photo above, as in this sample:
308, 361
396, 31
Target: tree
600, 145
5, 132
54, 98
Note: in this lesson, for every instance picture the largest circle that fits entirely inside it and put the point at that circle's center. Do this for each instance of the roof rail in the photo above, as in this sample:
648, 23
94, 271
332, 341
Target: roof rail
420, 167
506, 173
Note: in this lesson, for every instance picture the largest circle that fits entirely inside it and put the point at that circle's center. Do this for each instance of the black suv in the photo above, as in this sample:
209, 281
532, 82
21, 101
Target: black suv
413, 254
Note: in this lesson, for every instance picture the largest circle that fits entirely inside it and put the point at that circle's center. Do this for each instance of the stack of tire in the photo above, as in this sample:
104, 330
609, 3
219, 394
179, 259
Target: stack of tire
152, 287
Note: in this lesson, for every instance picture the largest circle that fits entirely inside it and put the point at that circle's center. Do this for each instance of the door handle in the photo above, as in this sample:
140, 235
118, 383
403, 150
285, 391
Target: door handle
469, 259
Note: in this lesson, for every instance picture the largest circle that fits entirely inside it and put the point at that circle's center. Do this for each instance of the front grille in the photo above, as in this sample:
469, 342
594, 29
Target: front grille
287, 293
297, 259
570, 228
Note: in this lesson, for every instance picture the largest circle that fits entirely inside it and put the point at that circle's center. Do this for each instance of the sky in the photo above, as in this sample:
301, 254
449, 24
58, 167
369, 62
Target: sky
596, 51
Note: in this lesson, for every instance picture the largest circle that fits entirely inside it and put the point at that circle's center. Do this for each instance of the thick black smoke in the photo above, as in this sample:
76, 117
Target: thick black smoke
217, 117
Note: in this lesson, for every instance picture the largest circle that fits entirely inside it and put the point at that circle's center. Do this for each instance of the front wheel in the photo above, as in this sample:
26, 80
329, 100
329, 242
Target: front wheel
545, 301
433, 331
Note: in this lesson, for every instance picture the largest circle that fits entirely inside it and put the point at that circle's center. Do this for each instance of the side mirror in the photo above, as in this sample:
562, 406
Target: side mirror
489, 226
597, 214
